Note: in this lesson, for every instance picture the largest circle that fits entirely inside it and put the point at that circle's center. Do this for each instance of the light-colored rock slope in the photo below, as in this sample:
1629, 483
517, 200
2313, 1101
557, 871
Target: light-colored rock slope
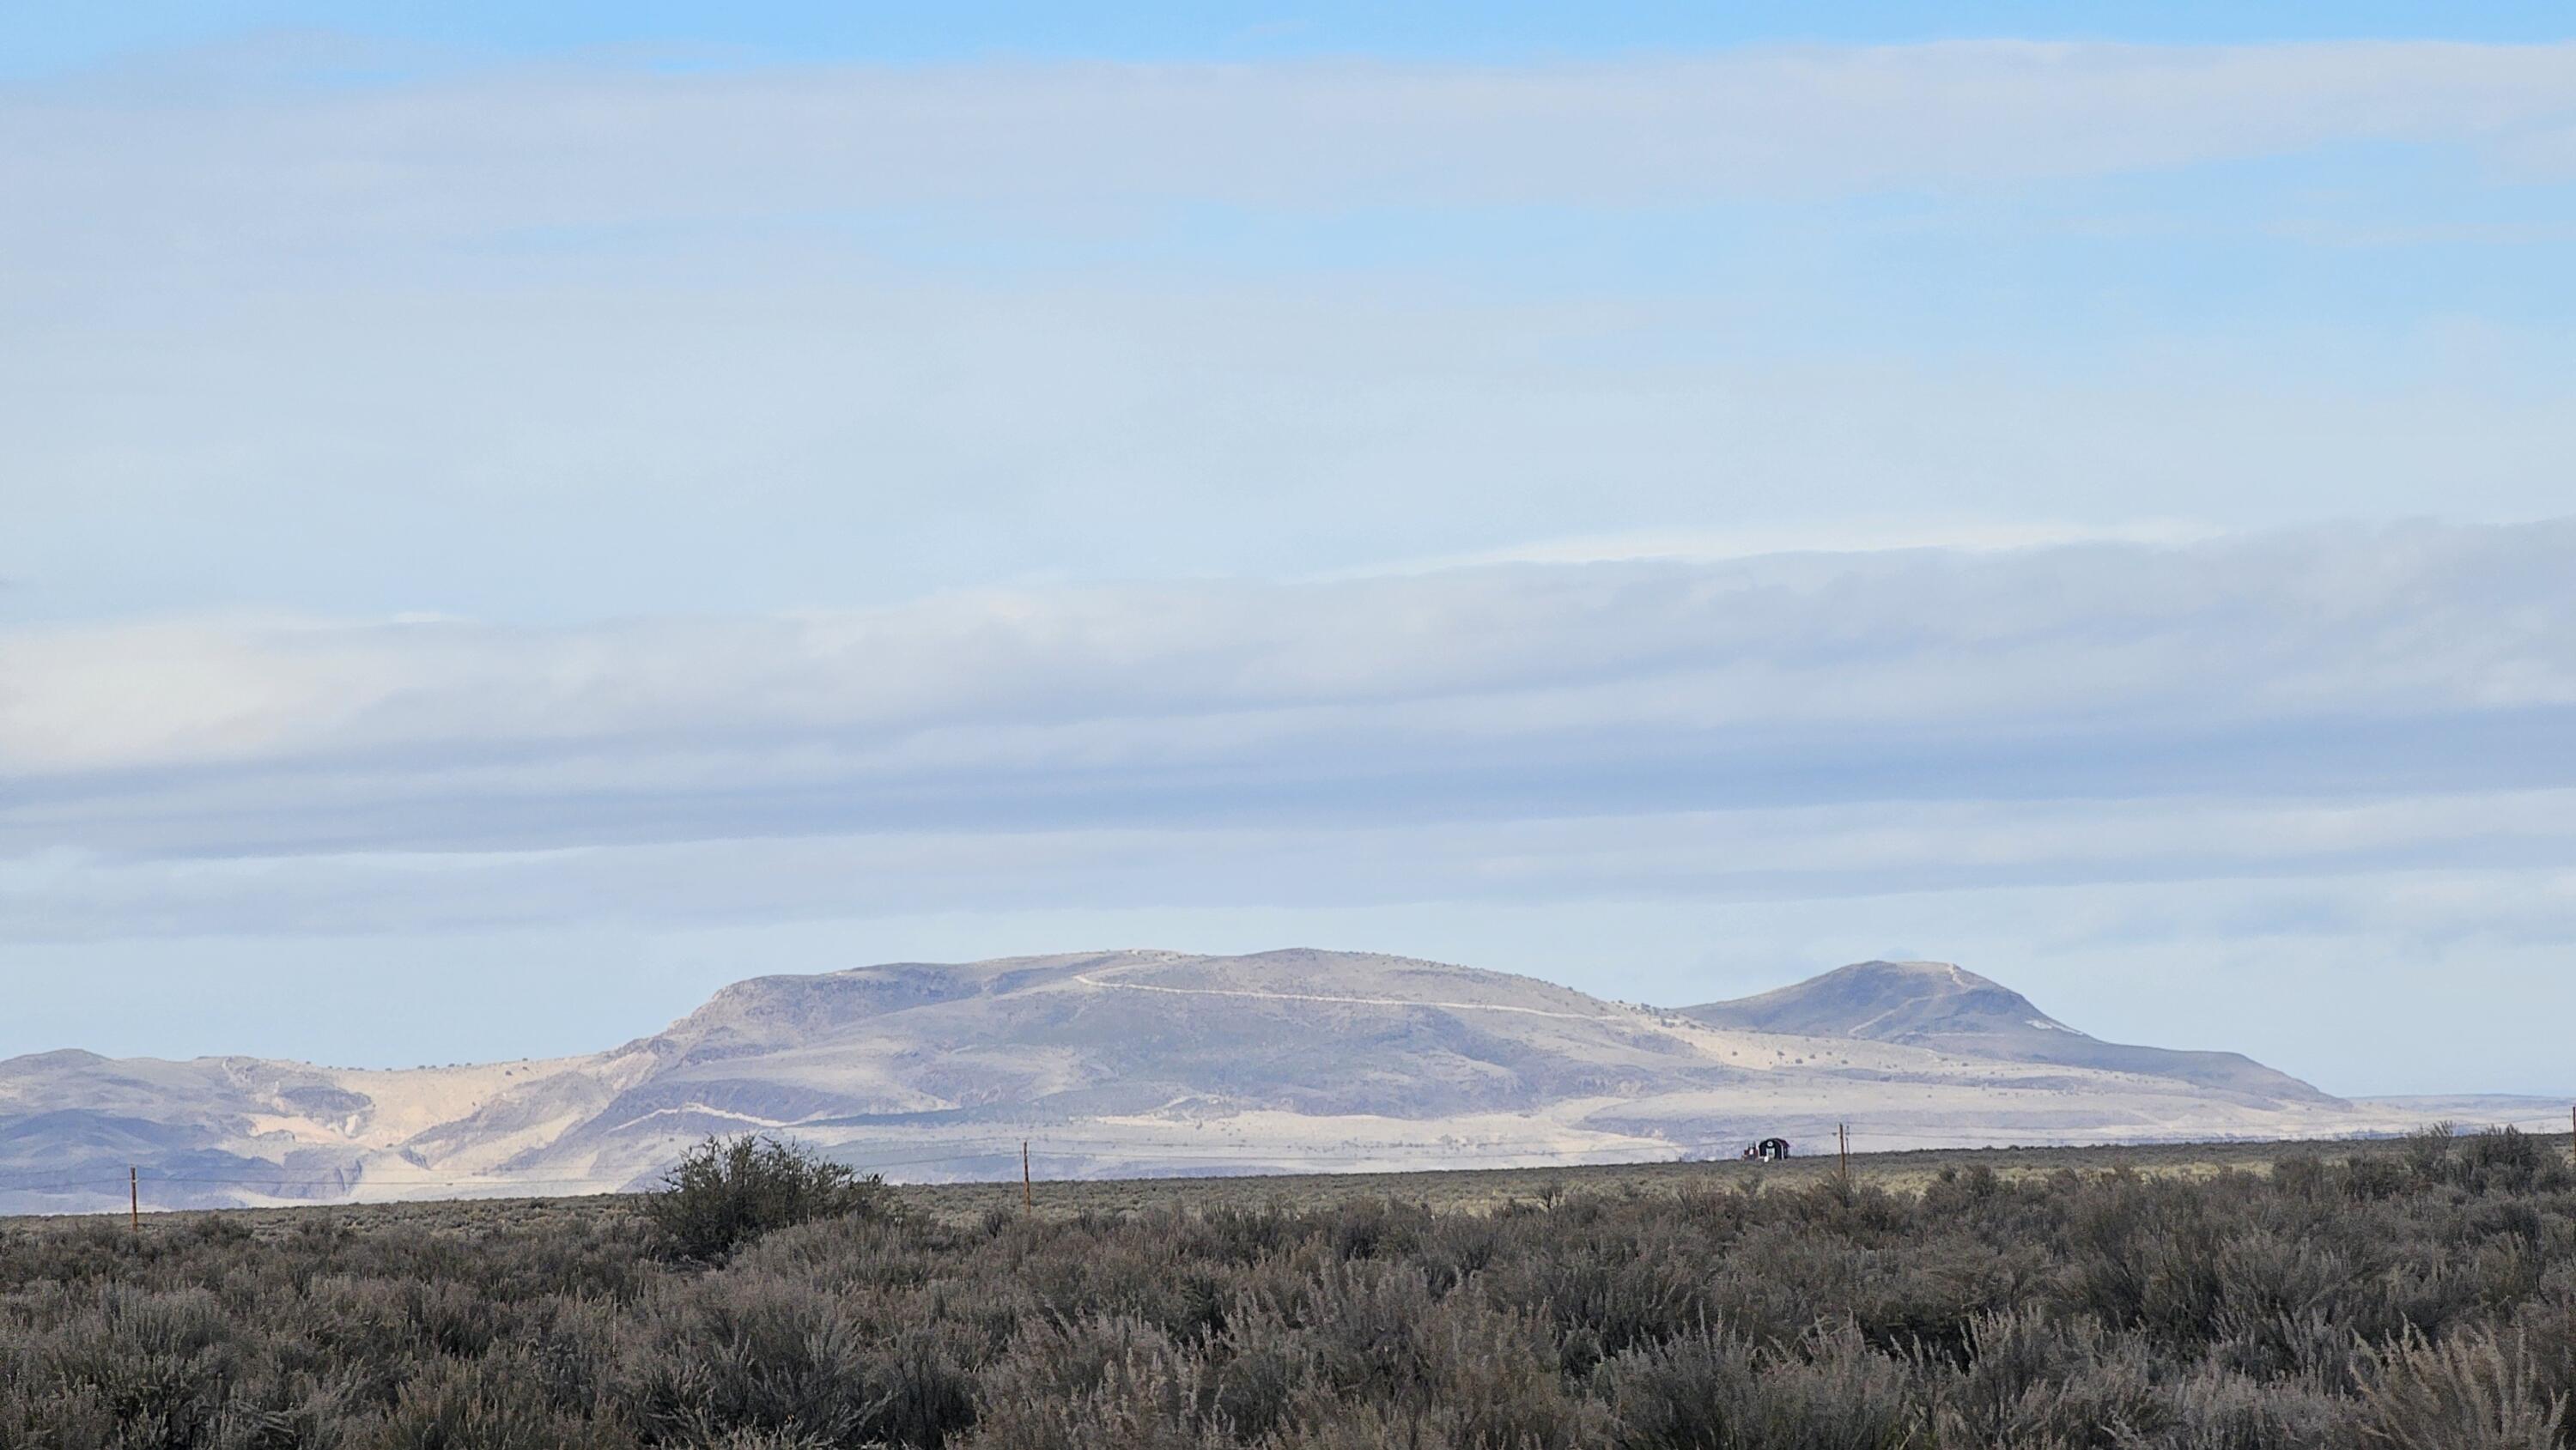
1144, 1062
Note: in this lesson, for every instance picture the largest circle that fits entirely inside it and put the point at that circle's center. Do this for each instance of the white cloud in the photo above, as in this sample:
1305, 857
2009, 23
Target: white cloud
2428, 657
1853, 536
1716, 857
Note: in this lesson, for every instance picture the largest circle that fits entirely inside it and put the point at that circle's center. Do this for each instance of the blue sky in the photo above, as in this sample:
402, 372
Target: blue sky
574, 505
54, 39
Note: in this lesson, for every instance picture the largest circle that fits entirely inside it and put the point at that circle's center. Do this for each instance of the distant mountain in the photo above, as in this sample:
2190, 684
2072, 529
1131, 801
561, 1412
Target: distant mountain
1940, 1006
1136, 1062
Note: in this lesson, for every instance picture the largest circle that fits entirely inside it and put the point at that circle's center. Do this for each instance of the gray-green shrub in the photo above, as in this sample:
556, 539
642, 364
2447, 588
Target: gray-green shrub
729, 1191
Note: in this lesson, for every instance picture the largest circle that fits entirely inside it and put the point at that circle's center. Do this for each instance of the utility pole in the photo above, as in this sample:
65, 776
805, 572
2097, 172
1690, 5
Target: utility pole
1842, 1139
134, 1198
1028, 1189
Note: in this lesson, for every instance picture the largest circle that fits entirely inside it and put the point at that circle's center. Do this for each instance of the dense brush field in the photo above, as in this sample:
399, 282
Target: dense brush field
2420, 1297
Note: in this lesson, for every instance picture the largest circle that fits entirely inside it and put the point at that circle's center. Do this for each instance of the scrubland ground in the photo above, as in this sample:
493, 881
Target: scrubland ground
2415, 1294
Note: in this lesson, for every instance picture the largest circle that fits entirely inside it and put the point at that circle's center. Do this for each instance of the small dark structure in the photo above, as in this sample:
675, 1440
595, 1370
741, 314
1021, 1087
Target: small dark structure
1769, 1150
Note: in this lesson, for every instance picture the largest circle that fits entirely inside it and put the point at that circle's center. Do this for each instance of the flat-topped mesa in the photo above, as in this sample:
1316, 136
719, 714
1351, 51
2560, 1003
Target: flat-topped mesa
1946, 1008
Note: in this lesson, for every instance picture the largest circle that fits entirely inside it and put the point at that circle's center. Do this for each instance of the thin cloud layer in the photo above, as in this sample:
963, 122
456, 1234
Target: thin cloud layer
572, 148
2419, 656
2509, 856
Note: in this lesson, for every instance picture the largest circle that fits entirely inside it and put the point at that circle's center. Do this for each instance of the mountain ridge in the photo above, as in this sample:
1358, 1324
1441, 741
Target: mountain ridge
1944, 1006
1143, 1061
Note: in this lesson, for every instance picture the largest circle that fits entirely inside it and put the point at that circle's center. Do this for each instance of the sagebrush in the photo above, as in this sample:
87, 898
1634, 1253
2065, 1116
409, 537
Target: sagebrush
726, 1192
2423, 1297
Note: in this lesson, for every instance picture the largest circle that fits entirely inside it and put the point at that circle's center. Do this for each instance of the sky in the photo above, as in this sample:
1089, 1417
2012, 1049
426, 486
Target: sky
514, 517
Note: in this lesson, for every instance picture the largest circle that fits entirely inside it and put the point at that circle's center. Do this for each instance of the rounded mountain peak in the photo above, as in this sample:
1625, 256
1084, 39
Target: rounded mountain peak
1887, 1001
